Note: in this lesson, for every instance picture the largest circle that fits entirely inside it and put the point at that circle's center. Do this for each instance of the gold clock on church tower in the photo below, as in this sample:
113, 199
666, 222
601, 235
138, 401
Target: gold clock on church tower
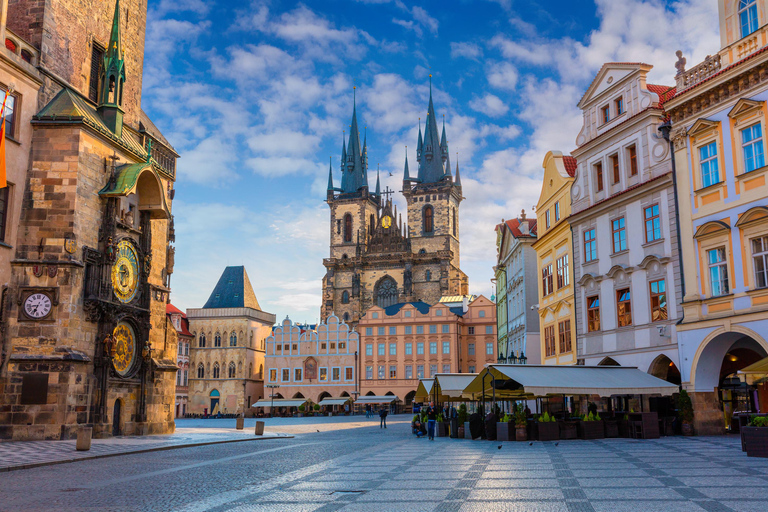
125, 272
386, 222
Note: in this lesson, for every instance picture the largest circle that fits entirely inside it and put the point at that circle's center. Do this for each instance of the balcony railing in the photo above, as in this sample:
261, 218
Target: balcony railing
699, 73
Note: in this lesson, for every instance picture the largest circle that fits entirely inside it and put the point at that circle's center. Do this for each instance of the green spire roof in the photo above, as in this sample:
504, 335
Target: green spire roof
113, 73
355, 168
432, 156
406, 173
378, 183
330, 174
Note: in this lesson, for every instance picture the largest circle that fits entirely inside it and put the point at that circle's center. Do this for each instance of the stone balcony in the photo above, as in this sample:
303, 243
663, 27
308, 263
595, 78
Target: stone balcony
698, 73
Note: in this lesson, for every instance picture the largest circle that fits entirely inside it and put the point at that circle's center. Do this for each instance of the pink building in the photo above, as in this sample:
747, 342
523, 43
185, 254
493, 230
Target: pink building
181, 324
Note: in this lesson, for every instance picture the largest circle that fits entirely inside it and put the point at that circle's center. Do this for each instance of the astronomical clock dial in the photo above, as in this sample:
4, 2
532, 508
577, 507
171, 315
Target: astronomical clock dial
125, 272
386, 221
38, 306
124, 349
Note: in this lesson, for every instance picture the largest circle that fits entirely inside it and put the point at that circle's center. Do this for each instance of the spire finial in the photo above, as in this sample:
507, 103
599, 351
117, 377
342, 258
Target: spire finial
430, 84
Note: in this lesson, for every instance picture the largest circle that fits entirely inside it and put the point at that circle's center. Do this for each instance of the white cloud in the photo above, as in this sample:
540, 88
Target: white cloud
489, 105
211, 162
502, 75
467, 50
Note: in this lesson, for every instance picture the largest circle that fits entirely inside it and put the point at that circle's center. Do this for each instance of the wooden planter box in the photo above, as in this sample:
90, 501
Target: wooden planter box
467, 433
442, 429
505, 431
623, 427
756, 440
611, 428
567, 430
521, 433
591, 430
549, 431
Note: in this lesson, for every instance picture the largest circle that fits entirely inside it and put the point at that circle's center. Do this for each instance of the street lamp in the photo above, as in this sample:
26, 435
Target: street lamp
523, 359
272, 396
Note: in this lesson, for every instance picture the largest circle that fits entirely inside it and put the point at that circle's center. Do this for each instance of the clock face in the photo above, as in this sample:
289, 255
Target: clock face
125, 272
37, 305
386, 221
124, 349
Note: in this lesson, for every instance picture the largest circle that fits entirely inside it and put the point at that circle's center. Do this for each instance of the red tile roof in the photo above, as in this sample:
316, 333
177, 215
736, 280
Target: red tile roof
514, 227
170, 309
570, 165
665, 92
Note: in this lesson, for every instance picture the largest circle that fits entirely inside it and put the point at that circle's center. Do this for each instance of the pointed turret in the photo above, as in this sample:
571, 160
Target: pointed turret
113, 79
330, 175
378, 183
406, 172
432, 158
457, 179
354, 171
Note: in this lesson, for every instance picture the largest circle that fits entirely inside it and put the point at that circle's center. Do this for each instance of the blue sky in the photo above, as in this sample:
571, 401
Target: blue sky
255, 95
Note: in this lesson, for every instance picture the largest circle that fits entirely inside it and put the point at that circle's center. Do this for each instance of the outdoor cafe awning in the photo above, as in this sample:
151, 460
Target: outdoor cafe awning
386, 399
451, 386
527, 381
280, 402
424, 390
756, 372
334, 401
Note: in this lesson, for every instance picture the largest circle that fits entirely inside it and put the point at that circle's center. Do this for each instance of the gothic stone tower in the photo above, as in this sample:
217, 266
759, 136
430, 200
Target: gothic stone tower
85, 335
375, 259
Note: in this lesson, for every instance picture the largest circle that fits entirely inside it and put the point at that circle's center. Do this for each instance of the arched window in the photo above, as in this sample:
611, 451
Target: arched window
348, 228
216, 370
345, 297
261, 369
201, 341
233, 339
10, 45
428, 219
747, 16
231, 373
428, 275
200, 371
373, 223
386, 292
454, 222
217, 340
250, 343
346, 317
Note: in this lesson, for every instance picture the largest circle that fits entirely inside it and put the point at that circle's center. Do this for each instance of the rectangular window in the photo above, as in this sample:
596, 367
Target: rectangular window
408, 371
489, 349
349, 373
408, 349
420, 348
488, 329
297, 374
652, 223
632, 153
323, 374
546, 217
718, 271
408, 329
615, 167
564, 334
369, 372
432, 329
369, 349
471, 349
619, 235
446, 328
342, 345
286, 375
273, 374
549, 341
381, 371
407, 314
393, 349
593, 314
590, 245
446, 347
335, 373
432, 370
380, 331
393, 372
433, 347
747, 17
470, 330
760, 260
374, 315
419, 329
658, 300
547, 280
599, 176
420, 371
380, 349
392, 331
369, 331
605, 114
752, 146
563, 274
446, 368
708, 164
557, 211
624, 307
471, 369
619, 103
97, 57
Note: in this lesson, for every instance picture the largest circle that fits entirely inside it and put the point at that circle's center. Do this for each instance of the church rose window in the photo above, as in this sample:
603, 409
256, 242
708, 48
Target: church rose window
386, 292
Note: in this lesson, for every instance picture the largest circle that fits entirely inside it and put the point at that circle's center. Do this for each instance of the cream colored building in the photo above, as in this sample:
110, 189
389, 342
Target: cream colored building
226, 359
313, 363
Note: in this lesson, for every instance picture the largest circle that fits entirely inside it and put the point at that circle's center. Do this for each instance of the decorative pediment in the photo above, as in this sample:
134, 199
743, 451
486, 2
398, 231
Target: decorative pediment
711, 228
701, 126
609, 75
651, 258
586, 278
616, 269
744, 106
753, 216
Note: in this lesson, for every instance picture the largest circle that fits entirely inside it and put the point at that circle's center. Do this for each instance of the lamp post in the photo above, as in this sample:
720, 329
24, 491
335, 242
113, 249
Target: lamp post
272, 396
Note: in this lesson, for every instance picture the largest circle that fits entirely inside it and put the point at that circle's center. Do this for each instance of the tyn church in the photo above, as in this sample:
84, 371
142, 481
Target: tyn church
375, 259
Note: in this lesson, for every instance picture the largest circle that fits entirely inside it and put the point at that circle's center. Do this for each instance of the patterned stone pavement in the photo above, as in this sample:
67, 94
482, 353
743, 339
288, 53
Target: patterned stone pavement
361, 467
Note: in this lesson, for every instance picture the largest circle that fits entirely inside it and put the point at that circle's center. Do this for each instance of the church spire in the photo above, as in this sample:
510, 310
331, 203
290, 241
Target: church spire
406, 173
432, 156
330, 175
457, 180
354, 170
378, 183
113, 78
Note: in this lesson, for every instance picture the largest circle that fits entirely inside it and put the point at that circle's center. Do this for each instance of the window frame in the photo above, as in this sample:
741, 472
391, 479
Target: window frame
605, 114
591, 245
12, 124
721, 264
619, 227
348, 228
557, 211
549, 341
547, 219
599, 185
655, 223
547, 280
712, 163
761, 255
657, 297
428, 220
754, 144
749, 21
616, 169
624, 307
563, 273
632, 156
593, 313
564, 336
618, 104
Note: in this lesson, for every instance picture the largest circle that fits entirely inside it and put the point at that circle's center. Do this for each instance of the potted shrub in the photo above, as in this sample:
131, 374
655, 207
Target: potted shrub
521, 430
441, 426
463, 423
302, 408
755, 436
503, 428
685, 412
316, 407
548, 428
591, 427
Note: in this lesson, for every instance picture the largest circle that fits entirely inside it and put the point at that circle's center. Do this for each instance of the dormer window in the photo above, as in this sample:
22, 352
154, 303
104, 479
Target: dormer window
605, 114
619, 105
747, 16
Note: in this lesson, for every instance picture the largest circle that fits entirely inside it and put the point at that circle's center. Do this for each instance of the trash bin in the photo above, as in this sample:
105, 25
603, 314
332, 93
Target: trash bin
259, 428
84, 435
240, 423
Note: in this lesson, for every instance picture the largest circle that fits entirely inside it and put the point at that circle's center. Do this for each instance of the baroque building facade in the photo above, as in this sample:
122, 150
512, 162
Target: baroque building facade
226, 359
517, 291
375, 259
85, 335
185, 338
626, 251
718, 126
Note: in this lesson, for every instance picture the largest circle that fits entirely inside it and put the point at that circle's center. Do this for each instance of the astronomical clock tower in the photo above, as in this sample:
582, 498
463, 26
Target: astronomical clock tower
376, 258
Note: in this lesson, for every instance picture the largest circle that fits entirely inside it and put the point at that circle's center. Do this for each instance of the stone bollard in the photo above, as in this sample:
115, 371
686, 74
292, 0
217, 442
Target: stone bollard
240, 423
259, 428
84, 439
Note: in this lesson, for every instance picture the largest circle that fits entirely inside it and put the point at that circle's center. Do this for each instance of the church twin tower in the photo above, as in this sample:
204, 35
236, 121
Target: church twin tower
374, 258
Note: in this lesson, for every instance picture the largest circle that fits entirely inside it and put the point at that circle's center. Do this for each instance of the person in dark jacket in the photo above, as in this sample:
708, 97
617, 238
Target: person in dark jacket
383, 415
431, 420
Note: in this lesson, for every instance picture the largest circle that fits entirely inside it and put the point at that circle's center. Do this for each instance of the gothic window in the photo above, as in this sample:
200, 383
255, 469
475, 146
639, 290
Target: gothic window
261, 369
386, 292
346, 317
454, 222
373, 223
200, 371
231, 372
348, 228
217, 340
428, 275
428, 219
422, 251
201, 342
345, 297
216, 371
233, 339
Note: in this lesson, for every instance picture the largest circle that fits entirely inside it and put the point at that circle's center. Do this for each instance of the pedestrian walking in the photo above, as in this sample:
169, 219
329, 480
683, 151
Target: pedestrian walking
431, 420
367, 411
383, 415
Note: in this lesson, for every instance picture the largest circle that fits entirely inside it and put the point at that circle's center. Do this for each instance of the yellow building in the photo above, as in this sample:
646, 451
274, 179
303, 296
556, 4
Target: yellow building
554, 247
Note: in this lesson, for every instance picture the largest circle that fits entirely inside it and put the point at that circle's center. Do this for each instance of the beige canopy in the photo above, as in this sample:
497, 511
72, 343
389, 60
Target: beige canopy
386, 399
528, 381
756, 372
334, 401
450, 387
424, 390
280, 402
